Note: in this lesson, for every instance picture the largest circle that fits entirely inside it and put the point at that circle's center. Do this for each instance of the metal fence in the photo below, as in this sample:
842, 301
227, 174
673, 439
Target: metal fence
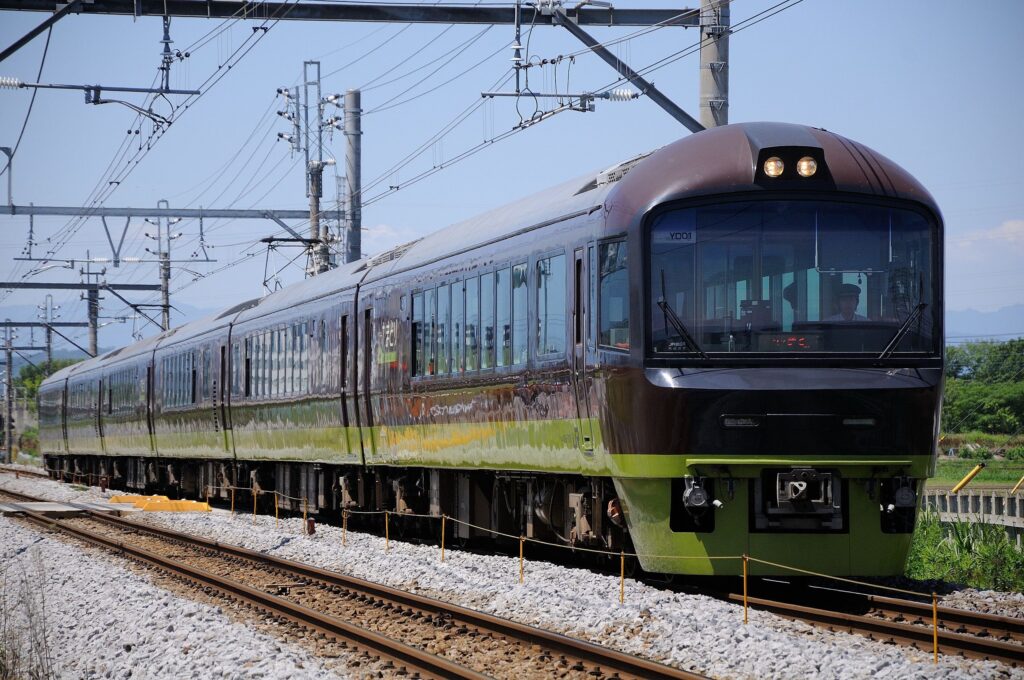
988, 506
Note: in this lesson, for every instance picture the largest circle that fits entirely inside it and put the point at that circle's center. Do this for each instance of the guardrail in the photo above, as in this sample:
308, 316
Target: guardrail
987, 506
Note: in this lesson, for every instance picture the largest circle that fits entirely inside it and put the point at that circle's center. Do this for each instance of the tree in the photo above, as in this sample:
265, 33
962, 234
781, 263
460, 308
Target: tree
30, 377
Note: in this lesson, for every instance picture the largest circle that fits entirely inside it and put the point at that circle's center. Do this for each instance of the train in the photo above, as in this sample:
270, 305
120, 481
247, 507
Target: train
730, 346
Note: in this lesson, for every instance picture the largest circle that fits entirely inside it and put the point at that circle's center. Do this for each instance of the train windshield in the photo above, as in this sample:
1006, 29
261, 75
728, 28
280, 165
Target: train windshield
793, 277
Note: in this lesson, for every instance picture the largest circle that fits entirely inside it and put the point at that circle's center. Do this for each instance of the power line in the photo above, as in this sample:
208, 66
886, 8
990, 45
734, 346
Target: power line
31, 103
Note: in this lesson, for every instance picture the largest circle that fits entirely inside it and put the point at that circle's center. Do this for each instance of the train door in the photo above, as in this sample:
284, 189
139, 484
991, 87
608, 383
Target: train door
150, 404
102, 403
221, 394
363, 364
347, 369
580, 377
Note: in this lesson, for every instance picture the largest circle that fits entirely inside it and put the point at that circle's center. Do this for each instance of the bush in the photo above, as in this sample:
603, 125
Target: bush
1014, 453
976, 555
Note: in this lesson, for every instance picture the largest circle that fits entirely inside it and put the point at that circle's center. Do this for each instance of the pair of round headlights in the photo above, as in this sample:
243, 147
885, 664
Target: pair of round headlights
805, 167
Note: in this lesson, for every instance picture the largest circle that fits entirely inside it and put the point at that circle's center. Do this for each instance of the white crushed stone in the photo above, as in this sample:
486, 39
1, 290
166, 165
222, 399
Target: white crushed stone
104, 621
693, 632
987, 601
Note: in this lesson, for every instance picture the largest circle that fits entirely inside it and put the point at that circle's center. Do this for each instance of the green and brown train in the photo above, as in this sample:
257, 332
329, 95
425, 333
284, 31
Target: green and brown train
732, 345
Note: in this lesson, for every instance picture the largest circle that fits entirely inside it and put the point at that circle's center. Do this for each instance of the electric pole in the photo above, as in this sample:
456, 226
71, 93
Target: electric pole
163, 240
92, 296
9, 401
714, 63
353, 176
48, 316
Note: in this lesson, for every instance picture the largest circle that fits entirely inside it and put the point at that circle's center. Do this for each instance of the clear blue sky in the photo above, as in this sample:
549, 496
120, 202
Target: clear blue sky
934, 85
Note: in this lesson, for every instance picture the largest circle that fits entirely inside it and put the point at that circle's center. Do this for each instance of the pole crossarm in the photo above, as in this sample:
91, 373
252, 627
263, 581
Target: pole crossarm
369, 12
60, 13
645, 87
43, 324
12, 285
192, 213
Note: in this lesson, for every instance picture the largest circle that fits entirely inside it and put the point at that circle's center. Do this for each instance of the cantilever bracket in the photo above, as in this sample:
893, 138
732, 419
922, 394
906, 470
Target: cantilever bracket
562, 19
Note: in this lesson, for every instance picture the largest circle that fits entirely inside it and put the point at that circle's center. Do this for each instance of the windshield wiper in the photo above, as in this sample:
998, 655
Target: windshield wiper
677, 323
894, 343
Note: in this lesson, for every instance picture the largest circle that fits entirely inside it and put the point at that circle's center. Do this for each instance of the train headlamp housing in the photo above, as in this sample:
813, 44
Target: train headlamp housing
774, 167
792, 167
806, 166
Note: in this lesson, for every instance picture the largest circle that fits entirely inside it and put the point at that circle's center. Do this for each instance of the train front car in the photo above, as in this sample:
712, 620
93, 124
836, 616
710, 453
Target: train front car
771, 366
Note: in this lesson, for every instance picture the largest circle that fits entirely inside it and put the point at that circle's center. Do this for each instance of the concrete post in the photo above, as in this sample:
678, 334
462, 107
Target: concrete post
714, 63
353, 177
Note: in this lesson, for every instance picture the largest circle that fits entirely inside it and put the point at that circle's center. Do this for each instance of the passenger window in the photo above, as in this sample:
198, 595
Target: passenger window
417, 334
519, 314
443, 302
504, 317
429, 326
472, 324
487, 320
457, 327
614, 295
551, 303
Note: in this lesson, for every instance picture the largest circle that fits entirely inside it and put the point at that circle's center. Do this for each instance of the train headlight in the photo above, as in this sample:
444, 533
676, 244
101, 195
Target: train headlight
806, 166
774, 166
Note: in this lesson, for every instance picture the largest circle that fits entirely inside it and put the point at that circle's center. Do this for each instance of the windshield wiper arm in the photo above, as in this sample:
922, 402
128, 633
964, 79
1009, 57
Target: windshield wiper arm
677, 323
894, 343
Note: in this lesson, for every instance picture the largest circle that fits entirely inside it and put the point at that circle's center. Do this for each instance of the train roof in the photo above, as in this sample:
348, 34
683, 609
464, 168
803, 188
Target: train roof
713, 162
726, 160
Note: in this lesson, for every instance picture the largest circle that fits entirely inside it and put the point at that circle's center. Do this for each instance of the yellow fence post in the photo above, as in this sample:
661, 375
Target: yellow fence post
622, 577
1017, 486
305, 512
442, 537
967, 479
935, 627
277, 517
522, 539
344, 525
232, 500
745, 560
387, 532
255, 495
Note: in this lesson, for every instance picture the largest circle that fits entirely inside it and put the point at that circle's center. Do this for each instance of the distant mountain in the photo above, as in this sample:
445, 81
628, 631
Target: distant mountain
1002, 324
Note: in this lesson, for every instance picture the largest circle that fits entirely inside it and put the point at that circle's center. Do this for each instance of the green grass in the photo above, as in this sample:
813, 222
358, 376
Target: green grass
975, 555
949, 471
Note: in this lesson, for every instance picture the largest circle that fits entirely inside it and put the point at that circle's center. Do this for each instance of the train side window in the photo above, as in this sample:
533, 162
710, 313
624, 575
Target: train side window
288, 370
472, 343
551, 302
487, 320
266, 390
443, 305
519, 313
193, 371
614, 295
417, 334
503, 306
458, 326
592, 302
429, 327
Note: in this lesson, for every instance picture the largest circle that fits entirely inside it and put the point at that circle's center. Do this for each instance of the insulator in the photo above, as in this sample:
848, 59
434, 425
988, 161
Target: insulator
10, 82
621, 95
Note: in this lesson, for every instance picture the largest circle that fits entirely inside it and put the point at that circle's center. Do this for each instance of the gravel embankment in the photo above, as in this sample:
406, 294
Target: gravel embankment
105, 621
693, 632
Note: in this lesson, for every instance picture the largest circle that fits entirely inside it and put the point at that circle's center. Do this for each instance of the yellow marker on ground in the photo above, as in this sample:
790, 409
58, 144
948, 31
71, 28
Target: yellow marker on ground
966, 480
137, 501
175, 506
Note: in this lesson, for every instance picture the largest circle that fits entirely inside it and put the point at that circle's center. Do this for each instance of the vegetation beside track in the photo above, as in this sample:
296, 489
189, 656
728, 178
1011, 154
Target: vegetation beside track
976, 555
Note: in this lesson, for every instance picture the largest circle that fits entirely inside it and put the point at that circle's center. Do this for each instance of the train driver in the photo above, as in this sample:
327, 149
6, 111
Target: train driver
848, 297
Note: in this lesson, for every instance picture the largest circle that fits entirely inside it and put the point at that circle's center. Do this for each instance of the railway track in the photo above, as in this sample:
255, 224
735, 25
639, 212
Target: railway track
334, 605
26, 473
897, 621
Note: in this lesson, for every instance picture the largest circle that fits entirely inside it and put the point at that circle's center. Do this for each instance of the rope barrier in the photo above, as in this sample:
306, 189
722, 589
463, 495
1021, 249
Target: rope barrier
835, 578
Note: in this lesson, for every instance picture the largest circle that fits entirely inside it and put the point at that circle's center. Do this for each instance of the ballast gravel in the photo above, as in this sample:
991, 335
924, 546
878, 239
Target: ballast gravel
102, 620
692, 632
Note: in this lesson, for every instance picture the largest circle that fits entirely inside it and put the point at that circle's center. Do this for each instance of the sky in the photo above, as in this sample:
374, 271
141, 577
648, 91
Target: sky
923, 82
